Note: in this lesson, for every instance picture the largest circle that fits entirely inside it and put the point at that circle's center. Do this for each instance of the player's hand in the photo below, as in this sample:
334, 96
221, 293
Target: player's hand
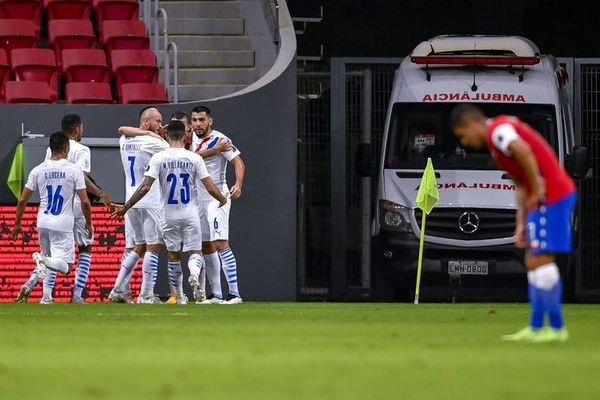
223, 145
520, 236
161, 132
118, 212
537, 195
235, 192
17, 230
90, 230
107, 201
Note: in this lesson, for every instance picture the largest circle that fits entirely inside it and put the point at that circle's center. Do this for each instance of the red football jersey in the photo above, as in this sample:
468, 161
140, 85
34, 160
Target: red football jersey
558, 183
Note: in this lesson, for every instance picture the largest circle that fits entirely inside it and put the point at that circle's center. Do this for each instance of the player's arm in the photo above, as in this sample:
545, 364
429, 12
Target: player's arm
96, 191
131, 131
214, 191
18, 228
86, 208
222, 146
139, 194
521, 214
240, 170
522, 153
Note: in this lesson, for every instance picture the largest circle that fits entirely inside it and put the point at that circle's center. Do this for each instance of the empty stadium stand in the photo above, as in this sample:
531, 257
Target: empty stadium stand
28, 92
17, 33
4, 72
143, 93
84, 44
85, 65
88, 93
23, 9
222, 46
36, 65
67, 9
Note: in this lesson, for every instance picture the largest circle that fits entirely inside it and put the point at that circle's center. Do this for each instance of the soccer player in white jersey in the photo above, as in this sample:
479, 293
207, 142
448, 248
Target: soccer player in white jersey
216, 150
146, 219
72, 126
58, 181
180, 173
187, 143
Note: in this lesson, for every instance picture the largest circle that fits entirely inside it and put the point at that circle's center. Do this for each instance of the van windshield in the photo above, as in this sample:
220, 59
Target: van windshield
421, 130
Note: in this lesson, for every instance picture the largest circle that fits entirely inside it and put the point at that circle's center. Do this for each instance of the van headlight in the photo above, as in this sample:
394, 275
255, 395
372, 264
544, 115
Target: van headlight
394, 216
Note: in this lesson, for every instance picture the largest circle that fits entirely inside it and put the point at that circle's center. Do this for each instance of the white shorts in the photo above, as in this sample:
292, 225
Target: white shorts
146, 224
214, 221
186, 231
57, 244
129, 242
81, 234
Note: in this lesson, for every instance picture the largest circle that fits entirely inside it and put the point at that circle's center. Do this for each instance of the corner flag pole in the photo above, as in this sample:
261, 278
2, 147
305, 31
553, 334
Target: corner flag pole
427, 198
421, 245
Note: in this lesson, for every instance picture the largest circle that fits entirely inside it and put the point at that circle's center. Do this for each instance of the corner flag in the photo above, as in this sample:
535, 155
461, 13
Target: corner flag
15, 176
428, 195
427, 198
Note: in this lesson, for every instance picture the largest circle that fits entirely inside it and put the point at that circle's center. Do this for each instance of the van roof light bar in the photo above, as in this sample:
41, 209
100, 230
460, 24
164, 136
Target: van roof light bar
475, 60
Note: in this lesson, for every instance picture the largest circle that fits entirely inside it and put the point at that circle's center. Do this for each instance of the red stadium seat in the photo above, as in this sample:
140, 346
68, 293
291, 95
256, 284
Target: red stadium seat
124, 35
28, 92
23, 9
16, 33
85, 65
4, 72
67, 9
37, 65
115, 10
70, 34
88, 93
133, 66
143, 93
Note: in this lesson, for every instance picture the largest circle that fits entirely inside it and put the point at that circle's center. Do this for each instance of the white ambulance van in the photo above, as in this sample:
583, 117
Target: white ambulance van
469, 245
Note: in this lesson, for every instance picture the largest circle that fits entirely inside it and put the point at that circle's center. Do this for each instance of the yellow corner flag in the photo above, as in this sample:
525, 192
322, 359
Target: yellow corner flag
427, 198
15, 176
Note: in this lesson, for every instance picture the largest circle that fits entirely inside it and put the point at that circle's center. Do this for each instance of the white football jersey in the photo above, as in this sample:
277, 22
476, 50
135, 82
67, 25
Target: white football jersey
179, 173
217, 164
79, 154
56, 181
136, 153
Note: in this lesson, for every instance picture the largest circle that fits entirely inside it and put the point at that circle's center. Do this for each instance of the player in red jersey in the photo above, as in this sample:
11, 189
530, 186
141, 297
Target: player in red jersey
545, 201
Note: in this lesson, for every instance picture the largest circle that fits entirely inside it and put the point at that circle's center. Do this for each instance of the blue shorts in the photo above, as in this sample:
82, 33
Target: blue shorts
549, 227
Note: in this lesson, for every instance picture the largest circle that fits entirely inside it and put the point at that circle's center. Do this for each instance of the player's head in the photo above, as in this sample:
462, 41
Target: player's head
59, 144
183, 117
202, 120
468, 123
72, 126
176, 131
150, 119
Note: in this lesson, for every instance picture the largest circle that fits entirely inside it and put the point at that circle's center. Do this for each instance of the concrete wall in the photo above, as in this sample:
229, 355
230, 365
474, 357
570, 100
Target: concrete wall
262, 122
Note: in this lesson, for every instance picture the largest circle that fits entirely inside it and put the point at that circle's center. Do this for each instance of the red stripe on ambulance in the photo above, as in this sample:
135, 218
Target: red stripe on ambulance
466, 96
477, 185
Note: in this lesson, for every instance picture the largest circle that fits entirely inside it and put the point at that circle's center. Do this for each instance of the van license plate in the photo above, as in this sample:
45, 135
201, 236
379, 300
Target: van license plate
468, 267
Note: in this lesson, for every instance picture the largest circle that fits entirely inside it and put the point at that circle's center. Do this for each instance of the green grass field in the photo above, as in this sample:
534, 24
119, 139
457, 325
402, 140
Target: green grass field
291, 351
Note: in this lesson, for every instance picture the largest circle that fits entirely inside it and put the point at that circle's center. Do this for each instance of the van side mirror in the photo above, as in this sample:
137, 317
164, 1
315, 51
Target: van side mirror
577, 163
366, 164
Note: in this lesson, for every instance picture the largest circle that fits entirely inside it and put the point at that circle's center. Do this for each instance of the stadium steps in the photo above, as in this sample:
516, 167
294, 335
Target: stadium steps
216, 57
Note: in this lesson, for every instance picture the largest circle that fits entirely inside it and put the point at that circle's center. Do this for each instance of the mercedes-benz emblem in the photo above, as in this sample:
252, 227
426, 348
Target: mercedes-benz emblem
468, 222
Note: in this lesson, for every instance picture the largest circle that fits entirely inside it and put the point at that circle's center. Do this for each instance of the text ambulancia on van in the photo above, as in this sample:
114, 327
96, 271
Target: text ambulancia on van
469, 235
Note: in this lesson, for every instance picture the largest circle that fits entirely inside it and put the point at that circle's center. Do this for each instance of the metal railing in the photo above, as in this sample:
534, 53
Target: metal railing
146, 12
174, 91
273, 6
161, 14
152, 15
